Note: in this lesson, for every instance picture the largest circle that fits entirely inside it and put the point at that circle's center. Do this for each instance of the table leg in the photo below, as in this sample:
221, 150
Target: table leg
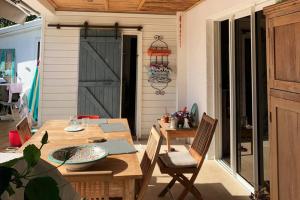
129, 192
168, 143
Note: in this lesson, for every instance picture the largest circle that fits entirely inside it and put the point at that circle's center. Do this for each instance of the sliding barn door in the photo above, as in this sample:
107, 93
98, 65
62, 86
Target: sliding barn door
99, 74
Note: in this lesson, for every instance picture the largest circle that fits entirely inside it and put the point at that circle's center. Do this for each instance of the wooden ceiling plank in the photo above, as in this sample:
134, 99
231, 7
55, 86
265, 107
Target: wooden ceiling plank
52, 2
141, 4
106, 4
131, 6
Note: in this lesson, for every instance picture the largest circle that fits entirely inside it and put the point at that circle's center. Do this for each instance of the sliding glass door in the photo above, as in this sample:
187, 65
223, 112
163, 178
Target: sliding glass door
262, 100
244, 108
225, 93
244, 104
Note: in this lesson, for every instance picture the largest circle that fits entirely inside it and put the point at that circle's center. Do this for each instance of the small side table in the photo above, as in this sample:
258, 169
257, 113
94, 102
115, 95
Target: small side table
169, 133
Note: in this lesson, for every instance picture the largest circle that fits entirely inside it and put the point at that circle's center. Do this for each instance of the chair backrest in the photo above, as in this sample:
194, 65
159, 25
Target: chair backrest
88, 117
149, 161
89, 185
14, 88
24, 130
204, 135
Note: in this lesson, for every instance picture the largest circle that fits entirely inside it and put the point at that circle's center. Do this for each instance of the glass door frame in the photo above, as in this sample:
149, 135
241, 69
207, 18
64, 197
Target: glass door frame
242, 12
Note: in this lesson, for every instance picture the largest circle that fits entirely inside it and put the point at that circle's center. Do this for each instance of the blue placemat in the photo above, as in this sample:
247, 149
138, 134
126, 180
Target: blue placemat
113, 127
98, 121
118, 147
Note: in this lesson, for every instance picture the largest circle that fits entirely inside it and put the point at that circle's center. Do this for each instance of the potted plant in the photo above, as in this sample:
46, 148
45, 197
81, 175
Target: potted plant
36, 186
261, 194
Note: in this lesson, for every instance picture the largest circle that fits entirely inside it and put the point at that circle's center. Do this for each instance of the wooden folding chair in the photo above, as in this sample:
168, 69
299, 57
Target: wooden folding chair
24, 130
148, 162
91, 186
197, 153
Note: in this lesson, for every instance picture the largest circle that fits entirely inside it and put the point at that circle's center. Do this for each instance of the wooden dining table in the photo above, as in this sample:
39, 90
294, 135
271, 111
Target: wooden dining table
125, 167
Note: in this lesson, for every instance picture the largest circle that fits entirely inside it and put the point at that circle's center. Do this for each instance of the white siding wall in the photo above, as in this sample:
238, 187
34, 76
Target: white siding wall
61, 58
24, 39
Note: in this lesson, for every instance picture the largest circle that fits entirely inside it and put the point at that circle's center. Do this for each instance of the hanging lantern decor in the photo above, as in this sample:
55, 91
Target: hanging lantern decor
159, 70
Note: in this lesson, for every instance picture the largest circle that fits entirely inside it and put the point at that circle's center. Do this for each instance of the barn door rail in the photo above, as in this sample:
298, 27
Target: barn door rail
87, 26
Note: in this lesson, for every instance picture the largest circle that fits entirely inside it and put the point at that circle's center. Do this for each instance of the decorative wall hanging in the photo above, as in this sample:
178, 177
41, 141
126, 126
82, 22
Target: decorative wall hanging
159, 71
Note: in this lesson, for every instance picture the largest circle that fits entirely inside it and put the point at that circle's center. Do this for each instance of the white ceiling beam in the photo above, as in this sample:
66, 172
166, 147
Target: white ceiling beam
43, 6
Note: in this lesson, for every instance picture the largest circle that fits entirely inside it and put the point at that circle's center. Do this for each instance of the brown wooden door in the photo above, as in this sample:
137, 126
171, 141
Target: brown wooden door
283, 43
284, 54
285, 146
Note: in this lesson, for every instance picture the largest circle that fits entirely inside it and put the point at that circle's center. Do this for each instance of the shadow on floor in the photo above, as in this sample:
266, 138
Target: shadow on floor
209, 191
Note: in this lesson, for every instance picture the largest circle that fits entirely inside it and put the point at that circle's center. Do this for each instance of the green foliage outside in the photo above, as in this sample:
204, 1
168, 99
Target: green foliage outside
5, 22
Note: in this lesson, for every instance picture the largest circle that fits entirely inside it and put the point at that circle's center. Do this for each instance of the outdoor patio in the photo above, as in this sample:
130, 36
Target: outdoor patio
131, 98
214, 182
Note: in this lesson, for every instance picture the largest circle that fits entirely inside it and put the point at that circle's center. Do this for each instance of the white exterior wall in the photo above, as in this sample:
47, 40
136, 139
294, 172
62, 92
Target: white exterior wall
59, 71
198, 46
24, 39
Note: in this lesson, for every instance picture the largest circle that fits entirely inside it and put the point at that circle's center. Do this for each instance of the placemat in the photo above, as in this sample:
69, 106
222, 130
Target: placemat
97, 121
118, 147
113, 127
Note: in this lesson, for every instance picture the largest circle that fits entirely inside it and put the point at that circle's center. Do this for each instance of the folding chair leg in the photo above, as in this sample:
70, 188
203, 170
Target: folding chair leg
12, 112
167, 188
196, 193
188, 186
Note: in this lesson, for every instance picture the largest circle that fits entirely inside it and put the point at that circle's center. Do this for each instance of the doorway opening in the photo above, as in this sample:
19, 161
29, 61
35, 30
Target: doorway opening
129, 80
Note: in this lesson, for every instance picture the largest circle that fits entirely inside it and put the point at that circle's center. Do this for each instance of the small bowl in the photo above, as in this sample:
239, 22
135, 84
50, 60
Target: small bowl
81, 157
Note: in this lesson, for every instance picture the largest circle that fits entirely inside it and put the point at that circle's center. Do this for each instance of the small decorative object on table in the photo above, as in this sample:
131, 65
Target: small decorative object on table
173, 123
194, 115
181, 116
159, 70
184, 119
166, 117
81, 157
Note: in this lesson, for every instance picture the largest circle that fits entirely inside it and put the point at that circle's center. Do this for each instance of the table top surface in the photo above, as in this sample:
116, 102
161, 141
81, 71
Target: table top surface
122, 166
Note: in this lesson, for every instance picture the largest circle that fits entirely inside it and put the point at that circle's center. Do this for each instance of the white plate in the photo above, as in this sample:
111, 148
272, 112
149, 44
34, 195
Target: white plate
74, 128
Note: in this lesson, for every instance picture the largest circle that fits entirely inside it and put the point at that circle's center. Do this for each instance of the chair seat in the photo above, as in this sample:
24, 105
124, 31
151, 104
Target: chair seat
178, 159
174, 162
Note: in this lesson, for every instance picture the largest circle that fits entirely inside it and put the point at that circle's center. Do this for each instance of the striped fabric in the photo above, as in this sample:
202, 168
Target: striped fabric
7, 64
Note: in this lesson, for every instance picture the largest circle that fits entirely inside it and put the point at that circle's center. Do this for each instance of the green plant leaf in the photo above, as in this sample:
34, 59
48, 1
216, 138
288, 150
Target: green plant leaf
11, 162
5, 174
45, 138
10, 190
32, 155
42, 188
